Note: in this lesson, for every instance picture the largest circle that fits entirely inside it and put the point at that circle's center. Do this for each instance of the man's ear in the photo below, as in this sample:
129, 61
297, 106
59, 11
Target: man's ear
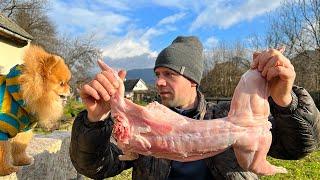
193, 84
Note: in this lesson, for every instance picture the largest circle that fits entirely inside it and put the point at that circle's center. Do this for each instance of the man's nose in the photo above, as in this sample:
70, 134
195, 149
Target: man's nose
160, 82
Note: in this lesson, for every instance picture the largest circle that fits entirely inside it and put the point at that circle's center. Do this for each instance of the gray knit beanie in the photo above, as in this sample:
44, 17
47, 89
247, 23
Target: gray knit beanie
184, 56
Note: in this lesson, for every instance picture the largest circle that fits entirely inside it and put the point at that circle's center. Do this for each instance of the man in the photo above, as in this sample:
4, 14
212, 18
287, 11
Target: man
179, 69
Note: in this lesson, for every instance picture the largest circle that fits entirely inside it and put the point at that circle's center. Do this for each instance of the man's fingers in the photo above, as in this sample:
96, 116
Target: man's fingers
271, 63
256, 54
88, 91
105, 82
103, 66
282, 72
108, 72
122, 74
101, 90
110, 78
272, 73
263, 59
254, 60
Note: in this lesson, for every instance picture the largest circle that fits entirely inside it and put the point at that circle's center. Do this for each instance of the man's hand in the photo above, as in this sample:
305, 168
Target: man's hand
278, 71
96, 94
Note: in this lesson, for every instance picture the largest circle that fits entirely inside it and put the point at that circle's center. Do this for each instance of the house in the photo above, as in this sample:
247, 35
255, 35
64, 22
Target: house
135, 89
13, 41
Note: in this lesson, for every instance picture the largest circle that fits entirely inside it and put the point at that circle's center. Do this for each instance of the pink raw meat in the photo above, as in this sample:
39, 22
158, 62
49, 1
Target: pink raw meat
157, 131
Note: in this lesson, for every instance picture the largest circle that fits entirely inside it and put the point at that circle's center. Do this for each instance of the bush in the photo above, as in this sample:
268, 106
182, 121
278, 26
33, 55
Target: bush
141, 103
72, 108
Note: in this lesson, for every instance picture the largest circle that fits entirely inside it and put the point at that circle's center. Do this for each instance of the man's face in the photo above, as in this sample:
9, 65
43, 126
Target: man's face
173, 88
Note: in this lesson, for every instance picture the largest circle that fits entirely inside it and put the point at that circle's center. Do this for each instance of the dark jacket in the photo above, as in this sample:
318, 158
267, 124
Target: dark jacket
295, 131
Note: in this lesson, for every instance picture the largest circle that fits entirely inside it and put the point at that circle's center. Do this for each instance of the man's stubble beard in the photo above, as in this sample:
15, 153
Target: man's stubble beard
171, 102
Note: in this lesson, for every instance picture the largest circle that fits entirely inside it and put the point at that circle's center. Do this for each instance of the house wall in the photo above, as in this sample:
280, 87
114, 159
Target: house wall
140, 86
128, 95
138, 95
10, 55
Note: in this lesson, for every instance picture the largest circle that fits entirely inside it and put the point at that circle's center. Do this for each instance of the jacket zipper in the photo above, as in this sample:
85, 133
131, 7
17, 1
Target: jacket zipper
169, 170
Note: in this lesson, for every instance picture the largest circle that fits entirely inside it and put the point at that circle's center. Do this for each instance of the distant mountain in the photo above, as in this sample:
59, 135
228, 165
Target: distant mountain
147, 75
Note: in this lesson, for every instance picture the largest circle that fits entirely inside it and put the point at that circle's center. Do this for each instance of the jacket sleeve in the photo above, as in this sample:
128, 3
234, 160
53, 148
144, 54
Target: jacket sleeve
91, 151
295, 129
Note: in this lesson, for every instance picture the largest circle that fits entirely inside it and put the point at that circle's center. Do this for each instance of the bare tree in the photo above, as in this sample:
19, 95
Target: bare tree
31, 16
256, 42
222, 79
230, 62
296, 24
208, 61
10, 7
81, 54
39, 25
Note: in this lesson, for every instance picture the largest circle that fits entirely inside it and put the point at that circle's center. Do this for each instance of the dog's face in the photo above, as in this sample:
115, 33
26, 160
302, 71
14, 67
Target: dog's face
45, 87
58, 78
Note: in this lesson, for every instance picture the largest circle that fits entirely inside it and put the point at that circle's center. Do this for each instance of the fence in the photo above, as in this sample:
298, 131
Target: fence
218, 100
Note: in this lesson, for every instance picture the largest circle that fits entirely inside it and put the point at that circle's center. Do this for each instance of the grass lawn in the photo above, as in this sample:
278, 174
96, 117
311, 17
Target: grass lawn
125, 175
306, 168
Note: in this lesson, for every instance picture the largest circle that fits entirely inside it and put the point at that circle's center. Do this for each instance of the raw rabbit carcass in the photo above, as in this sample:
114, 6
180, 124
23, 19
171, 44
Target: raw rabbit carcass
157, 131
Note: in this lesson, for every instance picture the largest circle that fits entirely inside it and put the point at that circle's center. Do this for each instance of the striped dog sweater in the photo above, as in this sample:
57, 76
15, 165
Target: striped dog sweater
14, 116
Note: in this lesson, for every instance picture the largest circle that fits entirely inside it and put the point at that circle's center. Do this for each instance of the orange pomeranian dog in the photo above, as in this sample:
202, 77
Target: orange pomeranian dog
31, 93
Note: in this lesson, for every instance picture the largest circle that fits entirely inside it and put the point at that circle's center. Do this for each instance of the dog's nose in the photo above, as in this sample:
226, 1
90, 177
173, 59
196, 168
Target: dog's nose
63, 96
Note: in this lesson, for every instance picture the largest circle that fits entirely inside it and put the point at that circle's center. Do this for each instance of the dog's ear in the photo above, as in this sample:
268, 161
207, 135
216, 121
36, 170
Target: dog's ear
49, 64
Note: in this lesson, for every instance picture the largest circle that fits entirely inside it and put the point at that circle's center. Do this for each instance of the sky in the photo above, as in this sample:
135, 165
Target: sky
132, 32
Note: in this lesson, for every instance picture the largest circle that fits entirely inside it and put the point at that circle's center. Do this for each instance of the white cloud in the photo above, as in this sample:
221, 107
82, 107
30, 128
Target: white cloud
78, 19
124, 39
225, 14
128, 48
171, 19
137, 41
190, 5
211, 42
116, 24
151, 33
133, 51
170, 3
117, 5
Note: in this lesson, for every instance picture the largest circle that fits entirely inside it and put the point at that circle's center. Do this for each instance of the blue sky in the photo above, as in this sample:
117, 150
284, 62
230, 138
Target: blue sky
132, 33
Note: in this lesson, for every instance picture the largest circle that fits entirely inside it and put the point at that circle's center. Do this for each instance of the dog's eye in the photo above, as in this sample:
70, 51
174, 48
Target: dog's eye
61, 83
